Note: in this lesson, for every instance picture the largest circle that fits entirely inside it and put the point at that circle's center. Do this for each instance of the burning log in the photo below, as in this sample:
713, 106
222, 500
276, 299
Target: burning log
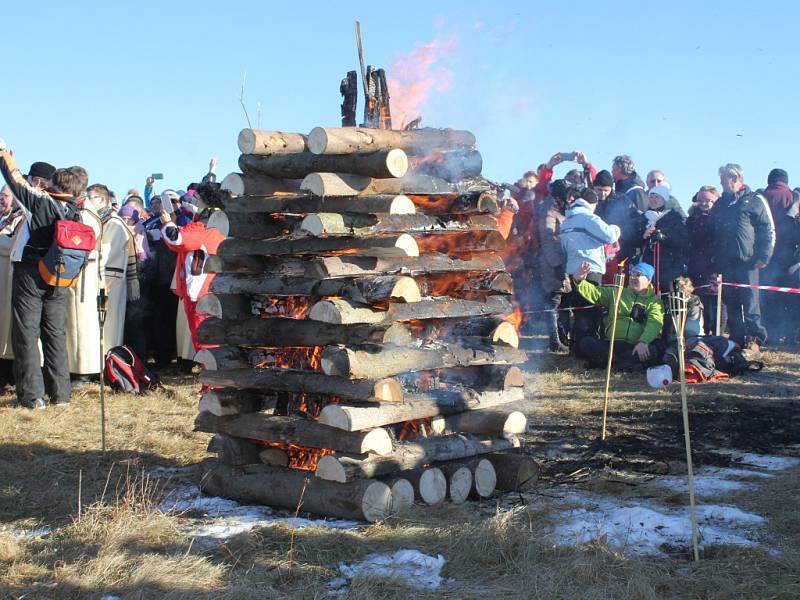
221, 358
321, 224
349, 184
455, 243
408, 455
222, 403
394, 204
491, 329
433, 263
288, 430
274, 456
451, 166
360, 364
515, 472
339, 310
366, 290
259, 226
379, 164
484, 422
275, 486
459, 481
385, 245
286, 331
234, 451
307, 382
258, 141
481, 201
430, 404
468, 284
331, 140
256, 184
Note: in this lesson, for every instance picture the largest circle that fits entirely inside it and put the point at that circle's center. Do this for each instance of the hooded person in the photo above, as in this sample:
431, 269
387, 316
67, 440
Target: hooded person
640, 318
664, 239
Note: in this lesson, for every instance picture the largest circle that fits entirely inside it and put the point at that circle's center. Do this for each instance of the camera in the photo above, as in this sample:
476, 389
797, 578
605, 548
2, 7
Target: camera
657, 236
638, 313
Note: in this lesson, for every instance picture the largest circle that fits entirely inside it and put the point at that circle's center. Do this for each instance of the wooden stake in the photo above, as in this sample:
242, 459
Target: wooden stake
719, 304
678, 310
619, 285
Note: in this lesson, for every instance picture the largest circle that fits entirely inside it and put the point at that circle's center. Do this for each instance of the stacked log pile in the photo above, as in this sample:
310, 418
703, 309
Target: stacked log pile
361, 316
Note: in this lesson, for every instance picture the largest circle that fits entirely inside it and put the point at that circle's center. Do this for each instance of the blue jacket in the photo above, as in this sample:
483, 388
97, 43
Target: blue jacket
583, 235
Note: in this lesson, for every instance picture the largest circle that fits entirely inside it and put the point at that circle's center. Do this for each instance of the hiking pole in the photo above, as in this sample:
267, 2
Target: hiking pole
619, 284
678, 310
719, 304
102, 309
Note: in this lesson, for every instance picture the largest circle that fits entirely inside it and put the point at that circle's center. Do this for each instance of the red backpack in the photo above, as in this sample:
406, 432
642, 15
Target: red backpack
125, 372
69, 252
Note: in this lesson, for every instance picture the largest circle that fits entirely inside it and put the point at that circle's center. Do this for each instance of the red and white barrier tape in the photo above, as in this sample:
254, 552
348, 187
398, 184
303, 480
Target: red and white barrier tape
768, 288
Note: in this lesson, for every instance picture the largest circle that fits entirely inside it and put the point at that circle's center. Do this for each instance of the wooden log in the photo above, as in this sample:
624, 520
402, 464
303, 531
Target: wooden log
429, 483
341, 266
258, 226
285, 331
307, 382
422, 406
330, 140
234, 451
402, 494
349, 184
221, 358
484, 478
459, 481
493, 329
490, 377
515, 472
256, 184
275, 486
304, 203
319, 224
465, 284
223, 403
340, 310
494, 423
360, 364
379, 164
289, 430
463, 202
365, 290
274, 456
408, 455
229, 306
384, 245
261, 265
460, 242
258, 141
219, 220
451, 166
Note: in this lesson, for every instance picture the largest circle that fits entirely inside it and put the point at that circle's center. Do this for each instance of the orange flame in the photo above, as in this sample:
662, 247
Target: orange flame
294, 307
304, 358
413, 76
412, 430
301, 458
516, 317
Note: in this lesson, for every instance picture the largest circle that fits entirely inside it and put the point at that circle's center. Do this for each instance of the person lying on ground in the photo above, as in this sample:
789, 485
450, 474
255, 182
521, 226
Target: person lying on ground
640, 317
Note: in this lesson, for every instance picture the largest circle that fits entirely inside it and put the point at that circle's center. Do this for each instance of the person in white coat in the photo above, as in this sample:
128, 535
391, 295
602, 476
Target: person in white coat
10, 218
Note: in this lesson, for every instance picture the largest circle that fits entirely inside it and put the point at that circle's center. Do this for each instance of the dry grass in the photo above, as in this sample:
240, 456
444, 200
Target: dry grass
123, 545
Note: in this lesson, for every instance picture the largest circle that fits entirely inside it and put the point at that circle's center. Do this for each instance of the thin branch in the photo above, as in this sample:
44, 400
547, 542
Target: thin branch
241, 100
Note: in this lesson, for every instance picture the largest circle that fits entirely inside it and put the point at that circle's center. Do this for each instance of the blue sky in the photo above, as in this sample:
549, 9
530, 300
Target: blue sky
127, 89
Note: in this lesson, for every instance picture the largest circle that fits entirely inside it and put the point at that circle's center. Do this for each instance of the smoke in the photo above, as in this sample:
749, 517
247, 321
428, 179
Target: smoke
415, 76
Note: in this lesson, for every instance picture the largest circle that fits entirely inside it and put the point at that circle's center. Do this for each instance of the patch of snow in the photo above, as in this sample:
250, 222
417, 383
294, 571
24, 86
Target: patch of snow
766, 461
222, 518
711, 481
647, 528
29, 533
110, 597
410, 567
161, 472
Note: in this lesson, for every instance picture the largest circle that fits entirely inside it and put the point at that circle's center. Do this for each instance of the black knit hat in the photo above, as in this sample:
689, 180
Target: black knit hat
777, 176
559, 189
590, 196
604, 179
41, 169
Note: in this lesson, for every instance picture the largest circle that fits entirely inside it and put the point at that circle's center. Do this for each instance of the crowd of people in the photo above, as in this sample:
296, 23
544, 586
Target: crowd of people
569, 238
140, 283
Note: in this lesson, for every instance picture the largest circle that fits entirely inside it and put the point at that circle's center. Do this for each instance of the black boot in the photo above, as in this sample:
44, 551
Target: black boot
555, 340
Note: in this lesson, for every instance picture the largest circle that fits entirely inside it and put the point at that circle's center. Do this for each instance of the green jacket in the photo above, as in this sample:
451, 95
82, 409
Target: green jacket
628, 330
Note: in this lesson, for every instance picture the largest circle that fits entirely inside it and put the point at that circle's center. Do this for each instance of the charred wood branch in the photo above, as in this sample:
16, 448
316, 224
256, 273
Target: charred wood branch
348, 88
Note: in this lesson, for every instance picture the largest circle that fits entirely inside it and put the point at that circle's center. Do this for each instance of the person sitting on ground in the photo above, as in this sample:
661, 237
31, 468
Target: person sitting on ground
663, 239
640, 318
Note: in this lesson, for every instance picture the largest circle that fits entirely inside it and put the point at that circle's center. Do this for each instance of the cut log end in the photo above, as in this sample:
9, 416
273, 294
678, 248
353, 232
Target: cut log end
485, 478
408, 245
402, 205
317, 140
330, 469
376, 502
459, 484
219, 221
257, 141
433, 486
402, 496
506, 334
378, 442
516, 423
397, 162
513, 378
